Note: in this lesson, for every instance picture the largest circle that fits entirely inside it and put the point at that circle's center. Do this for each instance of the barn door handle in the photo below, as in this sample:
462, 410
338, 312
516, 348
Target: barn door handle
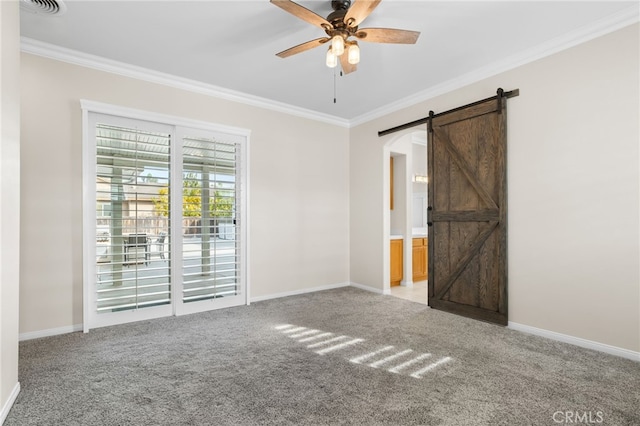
429, 222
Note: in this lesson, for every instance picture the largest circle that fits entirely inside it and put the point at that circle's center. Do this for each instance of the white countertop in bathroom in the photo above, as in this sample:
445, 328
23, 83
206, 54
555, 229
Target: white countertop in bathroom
417, 233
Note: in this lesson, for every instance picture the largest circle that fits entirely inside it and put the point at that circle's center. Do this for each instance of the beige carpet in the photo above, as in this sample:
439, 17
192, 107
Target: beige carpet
338, 357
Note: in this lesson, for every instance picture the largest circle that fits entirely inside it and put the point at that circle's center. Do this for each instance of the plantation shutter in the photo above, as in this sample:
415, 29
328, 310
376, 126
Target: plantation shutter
132, 190
164, 213
210, 181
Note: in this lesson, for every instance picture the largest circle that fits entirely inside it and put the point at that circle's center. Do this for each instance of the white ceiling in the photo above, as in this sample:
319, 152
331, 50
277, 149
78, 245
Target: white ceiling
232, 44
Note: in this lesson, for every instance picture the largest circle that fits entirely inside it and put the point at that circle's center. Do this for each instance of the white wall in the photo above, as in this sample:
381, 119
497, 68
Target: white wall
9, 201
419, 167
299, 195
402, 164
573, 175
419, 189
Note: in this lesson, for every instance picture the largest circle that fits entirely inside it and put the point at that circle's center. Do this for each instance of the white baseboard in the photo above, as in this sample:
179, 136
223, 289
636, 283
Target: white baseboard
577, 341
49, 332
298, 292
7, 406
79, 327
369, 288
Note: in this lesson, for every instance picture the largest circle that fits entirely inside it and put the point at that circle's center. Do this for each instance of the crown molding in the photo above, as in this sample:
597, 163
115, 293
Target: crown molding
626, 17
581, 35
46, 50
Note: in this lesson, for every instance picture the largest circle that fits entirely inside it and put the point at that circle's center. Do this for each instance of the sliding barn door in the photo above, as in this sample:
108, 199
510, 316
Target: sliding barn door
468, 211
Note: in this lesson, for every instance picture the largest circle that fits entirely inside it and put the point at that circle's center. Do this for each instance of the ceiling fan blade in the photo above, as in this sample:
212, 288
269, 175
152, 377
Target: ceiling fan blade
302, 47
346, 66
387, 35
359, 10
302, 12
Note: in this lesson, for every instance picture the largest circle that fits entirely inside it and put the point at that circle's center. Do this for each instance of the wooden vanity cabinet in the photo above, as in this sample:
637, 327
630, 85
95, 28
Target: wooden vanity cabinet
396, 262
420, 260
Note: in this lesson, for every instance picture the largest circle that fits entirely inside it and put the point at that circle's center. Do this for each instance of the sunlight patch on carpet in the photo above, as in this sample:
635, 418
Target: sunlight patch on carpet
324, 342
390, 358
359, 359
339, 346
397, 361
418, 374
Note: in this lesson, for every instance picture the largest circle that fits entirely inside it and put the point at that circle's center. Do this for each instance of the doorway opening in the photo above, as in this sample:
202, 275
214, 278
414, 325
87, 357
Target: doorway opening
407, 219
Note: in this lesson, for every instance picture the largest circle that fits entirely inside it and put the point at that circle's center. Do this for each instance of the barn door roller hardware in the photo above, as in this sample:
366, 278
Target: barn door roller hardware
499, 97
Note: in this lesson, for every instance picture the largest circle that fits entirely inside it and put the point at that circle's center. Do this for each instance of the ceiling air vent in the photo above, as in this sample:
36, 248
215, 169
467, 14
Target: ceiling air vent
44, 7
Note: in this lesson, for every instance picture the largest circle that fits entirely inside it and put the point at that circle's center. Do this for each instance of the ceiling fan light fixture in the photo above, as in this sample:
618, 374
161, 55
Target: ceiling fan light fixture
337, 45
332, 59
354, 53
341, 26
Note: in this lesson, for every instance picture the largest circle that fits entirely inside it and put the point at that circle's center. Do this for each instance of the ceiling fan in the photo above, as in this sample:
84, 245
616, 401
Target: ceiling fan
342, 25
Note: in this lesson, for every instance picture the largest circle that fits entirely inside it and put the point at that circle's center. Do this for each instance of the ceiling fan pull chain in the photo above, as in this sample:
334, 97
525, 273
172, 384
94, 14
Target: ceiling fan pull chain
334, 86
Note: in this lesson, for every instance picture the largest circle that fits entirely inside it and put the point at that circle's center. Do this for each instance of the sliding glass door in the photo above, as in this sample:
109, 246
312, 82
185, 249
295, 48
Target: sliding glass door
211, 225
165, 231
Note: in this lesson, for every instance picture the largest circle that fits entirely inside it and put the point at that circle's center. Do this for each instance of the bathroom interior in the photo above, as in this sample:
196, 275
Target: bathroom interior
408, 235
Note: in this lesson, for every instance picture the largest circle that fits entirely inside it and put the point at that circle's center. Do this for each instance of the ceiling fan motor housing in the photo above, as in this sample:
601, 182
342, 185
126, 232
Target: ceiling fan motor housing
340, 4
336, 17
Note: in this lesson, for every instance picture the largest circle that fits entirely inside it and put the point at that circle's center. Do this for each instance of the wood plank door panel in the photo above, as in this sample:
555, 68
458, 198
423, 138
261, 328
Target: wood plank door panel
467, 211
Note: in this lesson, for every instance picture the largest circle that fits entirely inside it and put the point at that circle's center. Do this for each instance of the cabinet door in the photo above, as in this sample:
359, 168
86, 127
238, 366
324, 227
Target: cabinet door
396, 262
419, 260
